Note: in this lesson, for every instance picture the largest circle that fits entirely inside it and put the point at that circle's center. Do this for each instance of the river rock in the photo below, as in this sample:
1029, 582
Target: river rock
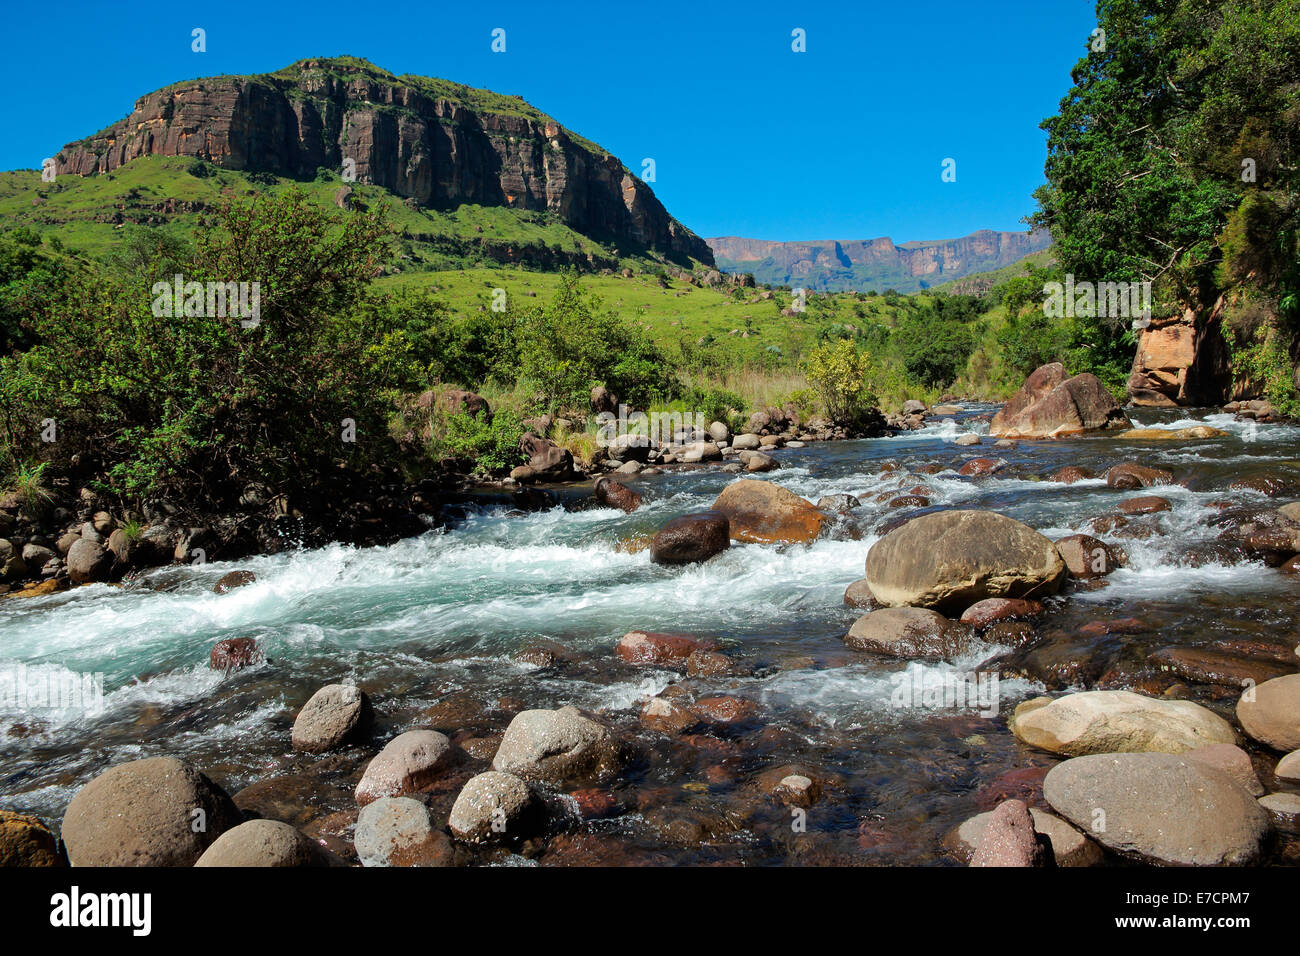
557, 745
980, 467
1118, 721
1162, 808
548, 461
1050, 405
1087, 557
910, 632
948, 560
1144, 505
838, 504
232, 580
968, 439
655, 647
1069, 846
1288, 768
668, 716
1270, 713
153, 812
1009, 839
1204, 665
763, 512
397, 831
992, 610
614, 494
689, 539
235, 653
1232, 760
1283, 809
88, 561
1070, 474
759, 462
409, 763
1171, 434
746, 442
492, 806
336, 715
858, 594
1131, 475
26, 841
266, 843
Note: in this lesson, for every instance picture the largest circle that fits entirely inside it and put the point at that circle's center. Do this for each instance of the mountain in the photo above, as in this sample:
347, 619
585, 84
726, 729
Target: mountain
437, 144
835, 265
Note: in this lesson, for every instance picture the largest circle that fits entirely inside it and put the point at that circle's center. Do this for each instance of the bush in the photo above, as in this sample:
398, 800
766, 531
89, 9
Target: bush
493, 445
839, 373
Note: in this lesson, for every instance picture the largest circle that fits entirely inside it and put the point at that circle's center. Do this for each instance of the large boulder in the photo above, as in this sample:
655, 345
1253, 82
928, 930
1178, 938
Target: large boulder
1161, 808
266, 843
336, 715
153, 812
762, 512
691, 538
556, 745
548, 461
948, 560
1050, 405
1270, 712
1118, 721
1087, 557
409, 763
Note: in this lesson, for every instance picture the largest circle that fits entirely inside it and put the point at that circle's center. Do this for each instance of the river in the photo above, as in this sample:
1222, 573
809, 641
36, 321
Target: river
430, 628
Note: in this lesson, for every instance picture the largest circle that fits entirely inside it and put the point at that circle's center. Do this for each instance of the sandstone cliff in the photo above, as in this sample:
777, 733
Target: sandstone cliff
860, 264
438, 143
1183, 360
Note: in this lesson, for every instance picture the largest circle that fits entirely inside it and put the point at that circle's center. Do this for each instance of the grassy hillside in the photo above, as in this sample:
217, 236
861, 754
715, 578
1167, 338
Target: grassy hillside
979, 283
90, 213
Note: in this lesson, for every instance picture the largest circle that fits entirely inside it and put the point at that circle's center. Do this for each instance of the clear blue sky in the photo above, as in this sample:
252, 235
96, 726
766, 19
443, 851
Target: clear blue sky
843, 141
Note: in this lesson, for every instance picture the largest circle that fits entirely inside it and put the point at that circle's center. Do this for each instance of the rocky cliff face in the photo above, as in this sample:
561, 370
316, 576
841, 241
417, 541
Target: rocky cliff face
860, 264
1183, 360
429, 140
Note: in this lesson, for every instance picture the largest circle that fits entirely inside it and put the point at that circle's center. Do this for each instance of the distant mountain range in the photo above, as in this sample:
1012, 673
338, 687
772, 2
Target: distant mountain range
839, 265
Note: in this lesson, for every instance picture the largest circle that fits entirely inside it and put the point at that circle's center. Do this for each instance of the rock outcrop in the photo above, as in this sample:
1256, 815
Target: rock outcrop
1182, 360
436, 142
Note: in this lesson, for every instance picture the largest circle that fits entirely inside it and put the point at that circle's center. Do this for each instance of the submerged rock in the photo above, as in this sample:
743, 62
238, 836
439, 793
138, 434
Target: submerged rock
27, 841
654, 647
615, 494
235, 579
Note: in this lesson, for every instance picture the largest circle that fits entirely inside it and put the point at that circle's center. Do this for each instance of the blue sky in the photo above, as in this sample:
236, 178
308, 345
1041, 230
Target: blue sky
749, 138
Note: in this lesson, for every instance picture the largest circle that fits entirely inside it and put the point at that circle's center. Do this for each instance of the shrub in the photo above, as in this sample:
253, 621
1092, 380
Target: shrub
839, 374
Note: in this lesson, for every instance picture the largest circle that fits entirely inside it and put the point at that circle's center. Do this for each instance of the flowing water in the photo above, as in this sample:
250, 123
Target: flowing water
430, 628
